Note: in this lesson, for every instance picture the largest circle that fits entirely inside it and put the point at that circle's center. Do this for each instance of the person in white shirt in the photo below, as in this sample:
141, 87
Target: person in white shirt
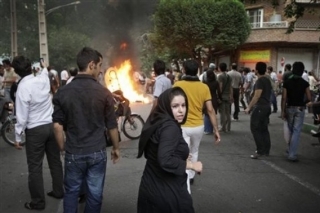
9, 76
313, 86
73, 72
305, 76
64, 77
34, 116
203, 76
274, 83
162, 83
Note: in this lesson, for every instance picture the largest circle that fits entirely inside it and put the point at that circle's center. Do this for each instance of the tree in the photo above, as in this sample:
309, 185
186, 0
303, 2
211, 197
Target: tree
188, 26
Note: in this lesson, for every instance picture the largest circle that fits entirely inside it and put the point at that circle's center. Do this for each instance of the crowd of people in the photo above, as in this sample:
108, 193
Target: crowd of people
58, 116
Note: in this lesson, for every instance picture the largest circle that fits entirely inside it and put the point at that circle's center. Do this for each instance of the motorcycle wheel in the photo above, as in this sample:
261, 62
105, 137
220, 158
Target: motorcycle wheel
133, 131
319, 137
8, 132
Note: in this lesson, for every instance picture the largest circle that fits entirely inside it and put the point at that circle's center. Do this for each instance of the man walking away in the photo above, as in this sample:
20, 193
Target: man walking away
198, 95
293, 106
261, 111
227, 97
236, 84
34, 110
84, 109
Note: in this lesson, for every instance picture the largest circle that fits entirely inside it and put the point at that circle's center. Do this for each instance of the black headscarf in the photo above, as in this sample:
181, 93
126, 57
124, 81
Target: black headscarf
160, 114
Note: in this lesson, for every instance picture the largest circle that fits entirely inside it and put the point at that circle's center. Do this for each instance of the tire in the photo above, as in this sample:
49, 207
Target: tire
130, 131
8, 132
318, 131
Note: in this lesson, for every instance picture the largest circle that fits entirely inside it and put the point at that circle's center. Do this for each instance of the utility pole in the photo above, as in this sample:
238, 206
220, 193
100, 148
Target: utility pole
43, 39
14, 41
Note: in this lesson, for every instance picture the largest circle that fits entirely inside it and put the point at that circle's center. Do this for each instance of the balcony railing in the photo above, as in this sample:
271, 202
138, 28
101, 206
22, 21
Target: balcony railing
308, 1
278, 24
306, 24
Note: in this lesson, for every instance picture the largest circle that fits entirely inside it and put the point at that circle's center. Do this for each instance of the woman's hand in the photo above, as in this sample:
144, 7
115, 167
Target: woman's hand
197, 166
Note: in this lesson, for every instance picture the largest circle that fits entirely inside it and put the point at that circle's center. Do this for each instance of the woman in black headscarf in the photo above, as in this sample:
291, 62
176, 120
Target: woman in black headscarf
163, 186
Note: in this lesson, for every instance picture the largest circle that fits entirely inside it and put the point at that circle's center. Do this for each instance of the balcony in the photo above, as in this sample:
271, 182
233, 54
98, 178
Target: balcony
308, 1
269, 25
307, 24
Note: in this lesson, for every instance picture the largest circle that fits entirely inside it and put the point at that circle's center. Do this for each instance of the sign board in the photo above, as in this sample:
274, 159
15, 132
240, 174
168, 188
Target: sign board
253, 56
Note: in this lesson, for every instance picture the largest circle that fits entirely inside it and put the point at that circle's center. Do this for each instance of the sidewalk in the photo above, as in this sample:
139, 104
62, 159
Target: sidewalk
308, 124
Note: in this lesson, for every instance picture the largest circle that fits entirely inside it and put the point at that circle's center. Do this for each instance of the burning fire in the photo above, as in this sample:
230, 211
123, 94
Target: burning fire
123, 46
122, 79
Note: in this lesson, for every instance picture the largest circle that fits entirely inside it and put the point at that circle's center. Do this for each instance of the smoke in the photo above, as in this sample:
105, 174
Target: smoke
126, 21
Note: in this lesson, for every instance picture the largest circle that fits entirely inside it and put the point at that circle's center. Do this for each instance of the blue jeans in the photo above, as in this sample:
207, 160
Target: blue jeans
90, 168
295, 117
259, 128
207, 124
273, 100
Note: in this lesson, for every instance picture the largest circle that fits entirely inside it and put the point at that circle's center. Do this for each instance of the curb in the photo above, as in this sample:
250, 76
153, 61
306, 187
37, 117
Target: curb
306, 128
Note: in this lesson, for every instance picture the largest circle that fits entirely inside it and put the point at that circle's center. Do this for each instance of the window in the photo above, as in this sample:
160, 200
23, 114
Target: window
255, 17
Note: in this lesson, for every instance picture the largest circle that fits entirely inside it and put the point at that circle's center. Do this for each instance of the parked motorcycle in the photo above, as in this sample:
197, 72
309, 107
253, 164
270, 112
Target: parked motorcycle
8, 120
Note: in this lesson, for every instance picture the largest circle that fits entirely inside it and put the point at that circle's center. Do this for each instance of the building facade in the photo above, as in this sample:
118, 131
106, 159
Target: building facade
269, 42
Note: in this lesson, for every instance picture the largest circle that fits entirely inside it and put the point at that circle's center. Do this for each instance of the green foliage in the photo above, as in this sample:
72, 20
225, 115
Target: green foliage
68, 28
183, 25
64, 45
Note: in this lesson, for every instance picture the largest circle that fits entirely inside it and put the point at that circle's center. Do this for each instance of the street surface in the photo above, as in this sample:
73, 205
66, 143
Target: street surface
231, 182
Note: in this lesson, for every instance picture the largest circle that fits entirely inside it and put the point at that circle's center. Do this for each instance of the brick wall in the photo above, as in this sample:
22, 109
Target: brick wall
278, 34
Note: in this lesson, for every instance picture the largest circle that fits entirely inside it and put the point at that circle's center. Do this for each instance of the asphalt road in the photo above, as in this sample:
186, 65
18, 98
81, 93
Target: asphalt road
231, 182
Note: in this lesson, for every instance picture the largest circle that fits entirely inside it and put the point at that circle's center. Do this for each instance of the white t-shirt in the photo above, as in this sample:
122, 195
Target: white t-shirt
70, 79
64, 75
161, 84
54, 72
305, 76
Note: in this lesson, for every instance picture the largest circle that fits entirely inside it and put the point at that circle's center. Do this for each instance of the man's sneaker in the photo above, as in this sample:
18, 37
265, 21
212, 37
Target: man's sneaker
235, 119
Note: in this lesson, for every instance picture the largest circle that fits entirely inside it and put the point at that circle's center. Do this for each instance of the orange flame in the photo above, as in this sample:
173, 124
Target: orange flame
121, 79
123, 46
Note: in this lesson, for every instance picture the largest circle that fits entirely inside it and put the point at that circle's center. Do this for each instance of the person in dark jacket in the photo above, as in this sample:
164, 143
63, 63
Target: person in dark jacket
213, 85
163, 186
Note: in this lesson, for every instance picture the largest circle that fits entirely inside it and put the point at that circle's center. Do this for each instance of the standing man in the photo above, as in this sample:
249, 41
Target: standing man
227, 97
54, 80
198, 95
162, 83
10, 78
260, 112
64, 76
287, 72
243, 78
248, 84
73, 72
236, 84
274, 85
293, 106
84, 109
34, 110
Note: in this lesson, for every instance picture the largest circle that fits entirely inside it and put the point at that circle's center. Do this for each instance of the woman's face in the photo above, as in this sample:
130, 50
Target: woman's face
178, 107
